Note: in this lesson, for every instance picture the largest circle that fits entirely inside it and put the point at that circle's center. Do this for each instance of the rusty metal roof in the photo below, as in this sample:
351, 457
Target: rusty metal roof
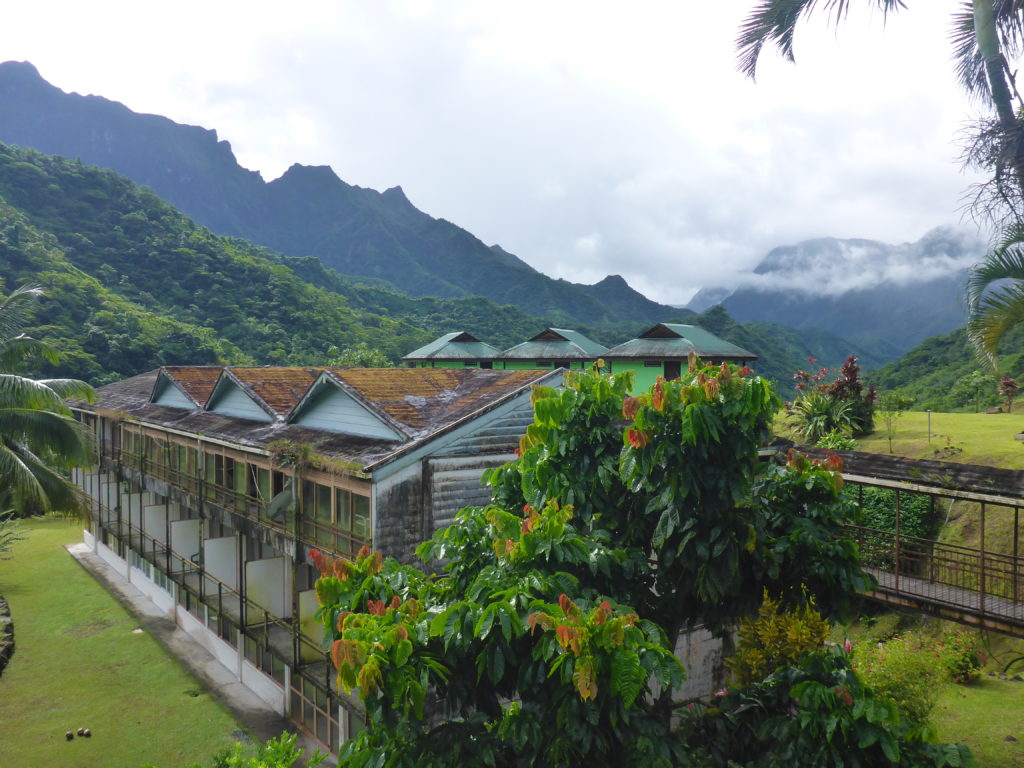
424, 403
278, 389
196, 381
421, 400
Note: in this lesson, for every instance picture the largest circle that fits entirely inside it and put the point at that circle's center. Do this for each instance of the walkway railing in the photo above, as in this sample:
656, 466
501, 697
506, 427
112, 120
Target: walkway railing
958, 582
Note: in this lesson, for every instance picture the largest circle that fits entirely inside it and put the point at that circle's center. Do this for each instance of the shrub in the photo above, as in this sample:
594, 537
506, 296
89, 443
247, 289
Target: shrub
775, 639
837, 441
963, 658
811, 715
816, 414
908, 671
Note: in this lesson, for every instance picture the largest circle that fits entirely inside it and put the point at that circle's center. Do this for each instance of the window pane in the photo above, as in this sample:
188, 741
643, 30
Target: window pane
323, 503
343, 510
361, 517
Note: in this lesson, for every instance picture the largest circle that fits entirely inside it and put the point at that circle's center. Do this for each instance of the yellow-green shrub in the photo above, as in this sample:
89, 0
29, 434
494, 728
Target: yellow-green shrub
776, 638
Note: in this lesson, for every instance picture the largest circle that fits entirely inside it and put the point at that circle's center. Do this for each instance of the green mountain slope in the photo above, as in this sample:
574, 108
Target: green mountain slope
782, 349
92, 237
308, 211
928, 371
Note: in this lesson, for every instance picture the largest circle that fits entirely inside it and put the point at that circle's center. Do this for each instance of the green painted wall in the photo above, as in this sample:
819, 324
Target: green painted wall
643, 377
531, 365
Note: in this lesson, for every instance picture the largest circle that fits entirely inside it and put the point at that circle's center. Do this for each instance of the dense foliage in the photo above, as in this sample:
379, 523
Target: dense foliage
929, 372
817, 714
548, 639
775, 638
133, 283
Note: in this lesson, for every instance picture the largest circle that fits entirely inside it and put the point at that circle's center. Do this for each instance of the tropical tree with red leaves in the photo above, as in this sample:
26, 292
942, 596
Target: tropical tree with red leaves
545, 634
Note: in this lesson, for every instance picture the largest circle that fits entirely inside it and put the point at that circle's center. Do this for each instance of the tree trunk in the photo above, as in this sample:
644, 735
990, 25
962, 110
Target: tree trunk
987, 39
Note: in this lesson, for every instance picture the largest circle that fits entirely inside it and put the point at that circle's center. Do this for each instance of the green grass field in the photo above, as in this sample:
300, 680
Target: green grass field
973, 438
981, 715
77, 663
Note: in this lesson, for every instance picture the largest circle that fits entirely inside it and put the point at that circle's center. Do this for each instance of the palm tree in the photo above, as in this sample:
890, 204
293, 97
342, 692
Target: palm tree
986, 33
40, 440
996, 306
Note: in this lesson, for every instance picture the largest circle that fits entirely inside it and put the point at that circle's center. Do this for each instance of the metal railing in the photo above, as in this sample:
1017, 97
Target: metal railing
972, 580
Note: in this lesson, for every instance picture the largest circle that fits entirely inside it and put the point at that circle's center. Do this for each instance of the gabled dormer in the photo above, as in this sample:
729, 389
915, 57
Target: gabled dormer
167, 392
332, 405
231, 398
184, 386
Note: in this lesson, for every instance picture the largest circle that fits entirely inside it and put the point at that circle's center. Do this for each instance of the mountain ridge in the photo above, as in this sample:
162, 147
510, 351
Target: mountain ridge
309, 210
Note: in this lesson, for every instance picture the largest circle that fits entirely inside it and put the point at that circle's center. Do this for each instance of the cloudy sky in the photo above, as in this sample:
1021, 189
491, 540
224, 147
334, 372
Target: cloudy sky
586, 137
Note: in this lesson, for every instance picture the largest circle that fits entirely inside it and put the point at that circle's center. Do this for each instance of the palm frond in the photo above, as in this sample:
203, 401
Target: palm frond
16, 310
18, 480
66, 440
970, 66
20, 348
48, 489
21, 392
68, 389
773, 22
992, 317
1004, 262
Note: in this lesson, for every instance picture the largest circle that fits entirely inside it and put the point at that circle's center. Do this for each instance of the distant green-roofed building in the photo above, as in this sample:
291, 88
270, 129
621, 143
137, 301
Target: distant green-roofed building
664, 349
552, 348
453, 350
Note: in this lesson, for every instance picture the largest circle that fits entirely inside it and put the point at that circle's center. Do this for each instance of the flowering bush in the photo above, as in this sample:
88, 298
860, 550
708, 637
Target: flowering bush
962, 655
908, 671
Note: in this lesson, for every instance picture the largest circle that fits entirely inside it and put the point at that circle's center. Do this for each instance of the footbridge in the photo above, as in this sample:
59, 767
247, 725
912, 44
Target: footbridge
972, 572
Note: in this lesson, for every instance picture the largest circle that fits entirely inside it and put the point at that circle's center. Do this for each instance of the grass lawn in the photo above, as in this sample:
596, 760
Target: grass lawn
77, 663
981, 715
973, 438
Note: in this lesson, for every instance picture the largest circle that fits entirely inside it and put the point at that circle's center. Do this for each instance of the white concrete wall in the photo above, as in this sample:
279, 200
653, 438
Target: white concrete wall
220, 559
158, 596
154, 522
701, 654
266, 585
185, 537
110, 558
265, 687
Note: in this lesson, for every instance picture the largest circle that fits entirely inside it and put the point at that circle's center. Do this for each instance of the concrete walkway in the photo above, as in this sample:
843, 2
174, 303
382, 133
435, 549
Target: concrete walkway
258, 719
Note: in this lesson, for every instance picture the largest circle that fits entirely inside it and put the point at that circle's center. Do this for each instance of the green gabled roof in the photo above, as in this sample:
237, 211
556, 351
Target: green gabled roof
454, 346
556, 344
673, 340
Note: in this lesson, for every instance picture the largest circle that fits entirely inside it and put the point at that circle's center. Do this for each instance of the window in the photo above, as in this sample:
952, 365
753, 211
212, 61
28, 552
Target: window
652, 363
335, 518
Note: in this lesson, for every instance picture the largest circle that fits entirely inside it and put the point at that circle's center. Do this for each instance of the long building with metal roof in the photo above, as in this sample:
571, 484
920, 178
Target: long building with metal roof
215, 483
